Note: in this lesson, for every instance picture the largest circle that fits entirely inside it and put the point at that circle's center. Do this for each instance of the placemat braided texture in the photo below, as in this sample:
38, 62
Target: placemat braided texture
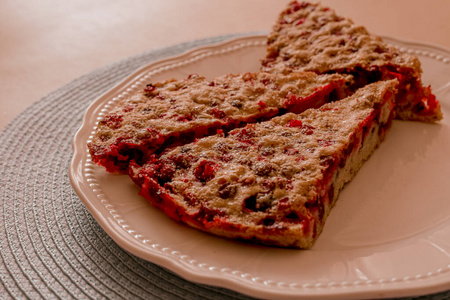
50, 246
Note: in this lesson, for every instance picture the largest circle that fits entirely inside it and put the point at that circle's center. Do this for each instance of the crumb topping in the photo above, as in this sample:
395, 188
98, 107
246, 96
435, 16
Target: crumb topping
312, 37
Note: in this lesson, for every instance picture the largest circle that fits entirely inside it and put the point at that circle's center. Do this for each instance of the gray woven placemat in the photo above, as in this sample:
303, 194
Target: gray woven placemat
50, 246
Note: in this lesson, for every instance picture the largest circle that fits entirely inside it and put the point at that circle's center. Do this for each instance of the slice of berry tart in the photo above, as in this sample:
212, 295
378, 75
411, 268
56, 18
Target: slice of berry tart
176, 112
274, 182
312, 37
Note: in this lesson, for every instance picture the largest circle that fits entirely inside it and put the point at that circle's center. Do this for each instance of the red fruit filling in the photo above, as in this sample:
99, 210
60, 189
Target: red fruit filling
205, 170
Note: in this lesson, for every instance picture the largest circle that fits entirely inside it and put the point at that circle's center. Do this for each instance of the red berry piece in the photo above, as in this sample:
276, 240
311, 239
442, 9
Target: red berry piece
262, 105
218, 113
295, 123
266, 81
113, 121
291, 99
299, 22
166, 172
155, 135
307, 129
205, 170
227, 191
395, 75
128, 108
149, 88
326, 161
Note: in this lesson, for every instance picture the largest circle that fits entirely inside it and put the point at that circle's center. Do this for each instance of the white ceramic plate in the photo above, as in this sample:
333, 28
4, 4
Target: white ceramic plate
388, 236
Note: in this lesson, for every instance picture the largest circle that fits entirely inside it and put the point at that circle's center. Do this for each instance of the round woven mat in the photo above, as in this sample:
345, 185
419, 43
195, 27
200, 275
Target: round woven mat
50, 245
